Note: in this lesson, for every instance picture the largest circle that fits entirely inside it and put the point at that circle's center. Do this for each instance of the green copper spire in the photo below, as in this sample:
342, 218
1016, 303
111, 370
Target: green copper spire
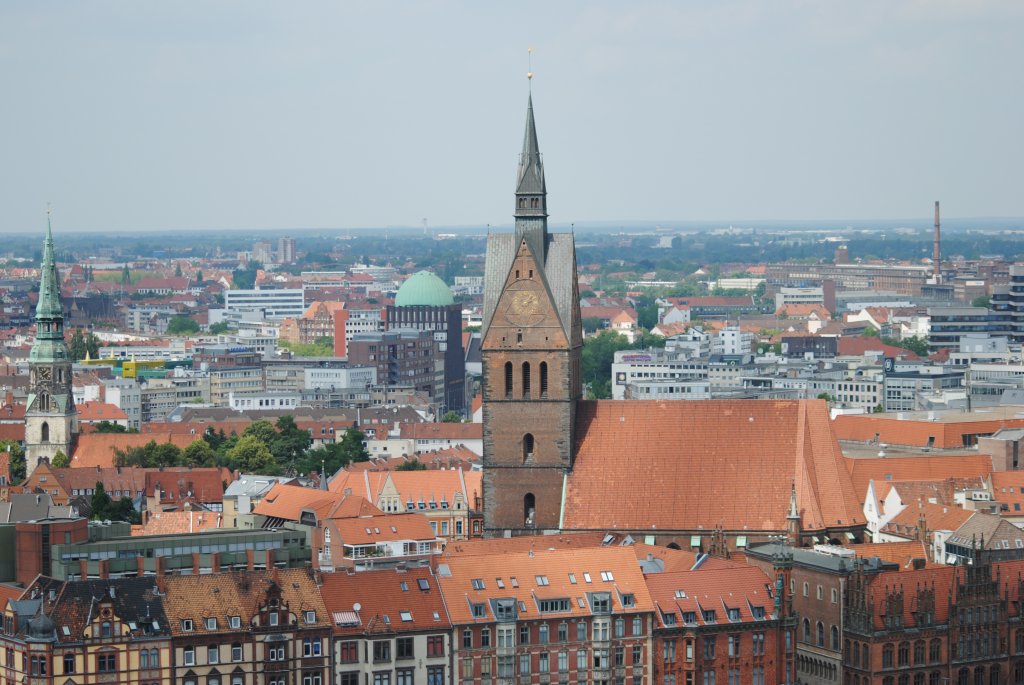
49, 306
49, 344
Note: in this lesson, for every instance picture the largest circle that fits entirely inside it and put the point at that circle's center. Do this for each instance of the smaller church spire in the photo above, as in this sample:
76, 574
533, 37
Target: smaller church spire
49, 307
794, 511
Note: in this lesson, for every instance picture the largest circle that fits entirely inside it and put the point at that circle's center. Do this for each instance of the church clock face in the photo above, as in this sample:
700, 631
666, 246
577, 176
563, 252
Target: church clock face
44, 373
524, 309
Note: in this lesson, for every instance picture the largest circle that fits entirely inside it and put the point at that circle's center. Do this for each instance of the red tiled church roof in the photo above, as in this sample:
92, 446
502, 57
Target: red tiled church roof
650, 465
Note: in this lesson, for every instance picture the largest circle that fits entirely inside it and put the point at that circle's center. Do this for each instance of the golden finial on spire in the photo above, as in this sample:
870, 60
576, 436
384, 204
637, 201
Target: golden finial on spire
529, 64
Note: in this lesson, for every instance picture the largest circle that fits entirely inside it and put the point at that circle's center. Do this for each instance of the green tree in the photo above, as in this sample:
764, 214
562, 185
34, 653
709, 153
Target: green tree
218, 328
126, 276
412, 465
263, 430
870, 332
182, 325
100, 502
245, 278
17, 459
199, 276
177, 270
60, 460
591, 324
451, 416
105, 426
290, 443
825, 396
251, 455
598, 355
198, 453
92, 345
353, 447
76, 347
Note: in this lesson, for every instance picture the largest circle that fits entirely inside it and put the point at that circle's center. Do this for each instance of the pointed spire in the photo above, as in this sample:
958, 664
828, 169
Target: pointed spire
49, 306
794, 511
531, 167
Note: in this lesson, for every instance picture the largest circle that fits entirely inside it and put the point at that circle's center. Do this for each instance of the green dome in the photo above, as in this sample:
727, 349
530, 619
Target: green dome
423, 289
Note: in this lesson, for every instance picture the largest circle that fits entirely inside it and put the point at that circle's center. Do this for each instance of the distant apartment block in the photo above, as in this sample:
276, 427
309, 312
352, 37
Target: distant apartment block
273, 303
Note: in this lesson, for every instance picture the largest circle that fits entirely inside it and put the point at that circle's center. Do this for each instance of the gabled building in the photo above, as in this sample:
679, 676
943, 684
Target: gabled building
568, 616
86, 632
725, 626
251, 627
389, 626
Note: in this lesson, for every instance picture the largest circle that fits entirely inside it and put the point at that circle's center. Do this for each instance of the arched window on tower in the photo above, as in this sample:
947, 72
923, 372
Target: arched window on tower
44, 432
543, 379
522, 203
528, 447
529, 510
508, 380
44, 402
526, 380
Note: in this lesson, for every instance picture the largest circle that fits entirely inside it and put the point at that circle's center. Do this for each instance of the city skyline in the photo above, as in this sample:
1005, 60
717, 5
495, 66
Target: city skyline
345, 117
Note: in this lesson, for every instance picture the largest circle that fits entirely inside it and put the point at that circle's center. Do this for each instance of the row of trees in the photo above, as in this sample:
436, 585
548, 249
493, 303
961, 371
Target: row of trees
263, 447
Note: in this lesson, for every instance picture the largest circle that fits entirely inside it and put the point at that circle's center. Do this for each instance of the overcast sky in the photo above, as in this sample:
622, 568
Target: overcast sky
200, 115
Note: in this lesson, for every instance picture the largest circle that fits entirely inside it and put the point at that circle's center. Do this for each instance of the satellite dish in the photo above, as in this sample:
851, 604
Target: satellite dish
357, 606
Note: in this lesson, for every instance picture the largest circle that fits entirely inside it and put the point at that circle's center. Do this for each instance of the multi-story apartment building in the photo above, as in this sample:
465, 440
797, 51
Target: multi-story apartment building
390, 626
636, 372
125, 394
902, 279
862, 387
568, 616
709, 631
251, 628
949, 325
86, 632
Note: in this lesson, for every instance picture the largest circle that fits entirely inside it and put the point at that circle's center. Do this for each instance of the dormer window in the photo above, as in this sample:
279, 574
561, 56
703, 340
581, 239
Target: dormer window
186, 625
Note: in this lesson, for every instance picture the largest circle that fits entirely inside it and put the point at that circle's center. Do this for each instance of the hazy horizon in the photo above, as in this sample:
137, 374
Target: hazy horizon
263, 116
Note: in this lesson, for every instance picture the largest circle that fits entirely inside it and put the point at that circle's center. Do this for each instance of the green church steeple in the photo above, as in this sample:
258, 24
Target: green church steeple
49, 345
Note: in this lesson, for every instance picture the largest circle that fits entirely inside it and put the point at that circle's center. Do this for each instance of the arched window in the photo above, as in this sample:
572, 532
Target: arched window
856, 653
508, 380
529, 509
904, 679
807, 630
44, 432
963, 677
887, 651
44, 402
919, 679
820, 634
526, 380
934, 678
154, 658
527, 447
543, 380
904, 654
994, 677
935, 651
919, 652
865, 657
835, 638
522, 203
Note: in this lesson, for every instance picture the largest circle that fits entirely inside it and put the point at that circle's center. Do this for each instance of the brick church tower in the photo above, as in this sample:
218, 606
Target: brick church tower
531, 346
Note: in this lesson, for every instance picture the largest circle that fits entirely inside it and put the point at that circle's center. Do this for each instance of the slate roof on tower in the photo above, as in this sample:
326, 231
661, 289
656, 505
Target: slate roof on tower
663, 466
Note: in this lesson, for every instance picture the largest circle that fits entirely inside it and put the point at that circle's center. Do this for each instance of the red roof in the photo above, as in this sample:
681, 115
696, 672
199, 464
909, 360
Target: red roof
650, 465
740, 588
932, 468
287, 502
411, 600
97, 449
99, 411
859, 345
368, 530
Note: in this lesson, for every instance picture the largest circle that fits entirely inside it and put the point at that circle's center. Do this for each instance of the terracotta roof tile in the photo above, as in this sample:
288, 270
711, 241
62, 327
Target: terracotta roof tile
902, 553
930, 468
99, 411
410, 599
367, 530
178, 522
287, 502
529, 577
97, 449
240, 593
740, 589
645, 465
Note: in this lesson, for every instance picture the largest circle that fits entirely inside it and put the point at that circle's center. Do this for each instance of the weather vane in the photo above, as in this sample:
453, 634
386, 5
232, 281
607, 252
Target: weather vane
529, 64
